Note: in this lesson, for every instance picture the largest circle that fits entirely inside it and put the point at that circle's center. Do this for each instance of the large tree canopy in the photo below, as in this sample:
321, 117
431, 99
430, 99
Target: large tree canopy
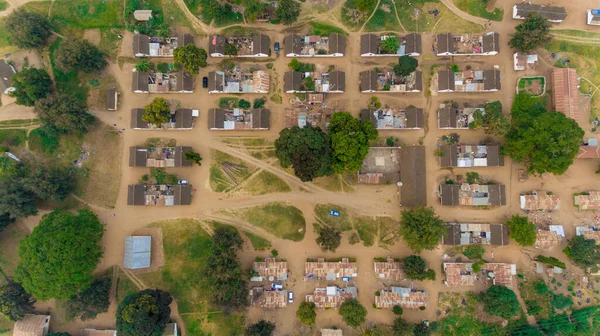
191, 57
50, 183
421, 228
144, 314
28, 29
492, 120
353, 313
58, 258
329, 238
260, 328
584, 252
287, 11
416, 268
14, 301
79, 55
307, 150
533, 33
158, 112
306, 313
64, 112
406, 65
31, 84
15, 200
544, 141
88, 304
522, 230
350, 141
501, 301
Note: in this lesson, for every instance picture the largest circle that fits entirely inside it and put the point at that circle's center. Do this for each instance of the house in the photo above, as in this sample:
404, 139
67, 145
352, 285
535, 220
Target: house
589, 149
270, 269
388, 118
331, 296
485, 44
6, 73
268, 299
32, 325
501, 274
469, 81
111, 99
593, 17
332, 82
459, 275
333, 45
146, 46
239, 79
590, 233
539, 200
239, 119
98, 332
386, 80
137, 252
258, 45
142, 14
159, 157
475, 233
389, 269
452, 116
158, 82
587, 200
181, 119
549, 238
401, 296
522, 61
404, 167
473, 194
332, 332
171, 330
315, 111
370, 45
550, 13
159, 194
467, 156
330, 270
565, 92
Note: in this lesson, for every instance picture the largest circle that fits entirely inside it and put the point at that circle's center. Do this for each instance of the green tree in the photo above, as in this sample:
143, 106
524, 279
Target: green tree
231, 49
397, 310
307, 150
58, 258
15, 302
16, 200
142, 65
527, 330
540, 287
50, 183
421, 228
5, 221
31, 84
158, 112
532, 33
294, 64
193, 157
401, 328
416, 268
406, 65
365, 5
329, 238
474, 252
226, 283
260, 328
353, 313
145, 313
522, 230
584, 252
258, 103
349, 141
501, 301
75, 54
287, 11
544, 141
253, 8
88, 304
492, 121
64, 112
28, 30
306, 313
558, 325
191, 57
421, 329
390, 45
244, 104
560, 301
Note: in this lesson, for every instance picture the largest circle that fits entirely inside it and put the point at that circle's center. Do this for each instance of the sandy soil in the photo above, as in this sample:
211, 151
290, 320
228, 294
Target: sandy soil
365, 200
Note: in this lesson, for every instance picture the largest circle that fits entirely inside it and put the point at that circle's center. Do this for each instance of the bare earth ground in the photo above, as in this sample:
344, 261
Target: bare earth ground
124, 220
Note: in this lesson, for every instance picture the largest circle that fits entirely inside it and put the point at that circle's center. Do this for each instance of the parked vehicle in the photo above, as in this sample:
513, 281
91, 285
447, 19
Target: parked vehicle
182, 182
290, 297
334, 213
276, 47
204, 82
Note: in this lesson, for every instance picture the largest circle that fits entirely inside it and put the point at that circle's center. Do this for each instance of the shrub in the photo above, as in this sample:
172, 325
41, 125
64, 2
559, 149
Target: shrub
474, 252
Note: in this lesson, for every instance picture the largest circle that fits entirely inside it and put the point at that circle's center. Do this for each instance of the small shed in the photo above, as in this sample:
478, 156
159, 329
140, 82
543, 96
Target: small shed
137, 252
142, 14
32, 325
111, 99
170, 329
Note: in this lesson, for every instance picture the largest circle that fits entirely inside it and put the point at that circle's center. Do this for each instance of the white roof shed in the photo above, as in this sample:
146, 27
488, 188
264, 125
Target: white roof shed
137, 252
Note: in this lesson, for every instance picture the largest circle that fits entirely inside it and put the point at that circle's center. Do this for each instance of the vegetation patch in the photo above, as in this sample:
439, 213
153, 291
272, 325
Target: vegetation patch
227, 172
460, 314
3, 5
323, 29
352, 17
13, 137
279, 219
259, 243
384, 18
533, 86
67, 82
264, 183
479, 8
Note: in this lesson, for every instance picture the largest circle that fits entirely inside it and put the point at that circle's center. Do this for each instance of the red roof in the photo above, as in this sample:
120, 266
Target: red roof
565, 92
588, 152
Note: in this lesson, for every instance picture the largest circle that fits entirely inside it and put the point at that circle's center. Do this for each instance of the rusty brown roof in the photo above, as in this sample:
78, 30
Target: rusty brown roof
503, 273
591, 201
540, 200
459, 274
322, 300
273, 299
389, 270
588, 152
593, 235
271, 267
565, 92
337, 269
401, 296
32, 325
549, 238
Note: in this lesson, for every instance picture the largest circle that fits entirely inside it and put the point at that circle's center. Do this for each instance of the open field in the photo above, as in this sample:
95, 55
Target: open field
264, 182
384, 18
227, 172
259, 243
478, 8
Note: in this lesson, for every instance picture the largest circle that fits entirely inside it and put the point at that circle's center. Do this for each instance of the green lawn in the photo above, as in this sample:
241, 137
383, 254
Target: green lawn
124, 286
62, 148
343, 222
265, 183
13, 137
67, 82
86, 14
323, 29
3, 5
279, 219
576, 33
478, 8
383, 20
351, 17
258, 242
459, 312
186, 248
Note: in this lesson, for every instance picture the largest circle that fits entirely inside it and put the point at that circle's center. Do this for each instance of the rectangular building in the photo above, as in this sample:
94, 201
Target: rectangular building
333, 45
388, 118
473, 194
539, 200
475, 233
370, 45
239, 79
330, 270
469, 81
401, 296
159, 195
258, 45
181, 119
146, 46
550, 13
304, 82
331, 296
159, 157
452, 116
467, 156
485, 44
157, 82
239, 119
386, 81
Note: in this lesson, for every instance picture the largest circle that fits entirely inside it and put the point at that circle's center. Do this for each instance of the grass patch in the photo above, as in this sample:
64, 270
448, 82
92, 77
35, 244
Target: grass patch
13, 137
460, 315
478, 8
19, 122
227, 172
5, 43
279, 219
448, 21
3, 5
109, 42
343, 222
323, 29
264, 183
229, 102
384, 18
124, 286
186, 249
336, 182
87, 14
61, 149
276, 98
258, 242
246, 141
352, 17
576, 33
67, 82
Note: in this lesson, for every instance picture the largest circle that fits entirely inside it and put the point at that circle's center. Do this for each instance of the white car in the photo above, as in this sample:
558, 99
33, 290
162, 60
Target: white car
290, 297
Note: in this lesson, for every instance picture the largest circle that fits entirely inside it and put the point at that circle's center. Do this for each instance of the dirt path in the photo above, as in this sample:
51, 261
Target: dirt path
370, 16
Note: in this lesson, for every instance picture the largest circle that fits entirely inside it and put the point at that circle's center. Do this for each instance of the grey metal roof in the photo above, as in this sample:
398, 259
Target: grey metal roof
216, 118
141, 44
449, 159
137, 252
261, 118
137, 158
136, 118
547, 12
111, 99
337, 43
418, 80
180, 160
497, 194
292, 44
337, 81
413, 43
368, 80
447, 116
449, 194
446, 80
184, 118
413, 176
136, 194
367, 115
184, 39
445, 43
183, 194
185, 82
292, 80
491, 79
6, 73
139, 81
452, 236
414, 117
499, 234
369, 43
494, 156
491, 42
262, 44
213, 84
216, 44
